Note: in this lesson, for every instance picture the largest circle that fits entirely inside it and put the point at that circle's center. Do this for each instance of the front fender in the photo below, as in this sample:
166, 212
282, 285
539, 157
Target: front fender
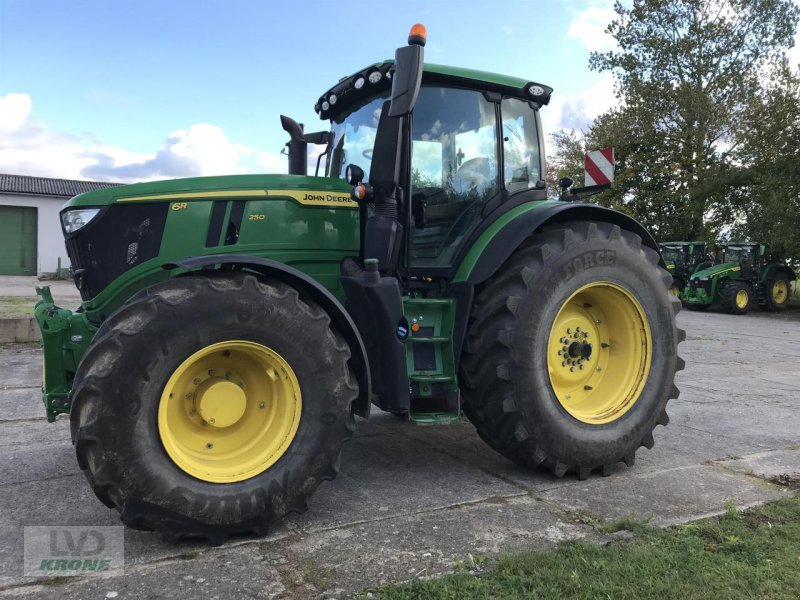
308, 286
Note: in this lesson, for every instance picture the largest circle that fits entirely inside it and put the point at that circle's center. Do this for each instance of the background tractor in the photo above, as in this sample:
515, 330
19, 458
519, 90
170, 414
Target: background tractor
233, 327
745, 277
682, 260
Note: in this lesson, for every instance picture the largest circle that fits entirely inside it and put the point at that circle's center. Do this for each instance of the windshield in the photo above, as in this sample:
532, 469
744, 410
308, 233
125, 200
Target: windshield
673, 253
738, 254
354, 138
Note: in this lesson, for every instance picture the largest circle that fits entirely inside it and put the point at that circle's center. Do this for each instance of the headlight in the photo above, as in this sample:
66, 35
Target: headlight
73, 220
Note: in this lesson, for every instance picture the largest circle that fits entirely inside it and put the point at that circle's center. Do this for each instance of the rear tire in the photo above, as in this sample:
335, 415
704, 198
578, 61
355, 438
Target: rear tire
777, 291
736, 297
139, 463
510, 393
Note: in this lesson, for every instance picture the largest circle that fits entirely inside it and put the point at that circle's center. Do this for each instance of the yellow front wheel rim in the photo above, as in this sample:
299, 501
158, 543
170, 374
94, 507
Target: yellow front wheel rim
780, 291
742, 299
229, 411
599, 353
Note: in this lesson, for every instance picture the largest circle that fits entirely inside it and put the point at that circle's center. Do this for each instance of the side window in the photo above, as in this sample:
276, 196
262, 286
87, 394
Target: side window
454, 170
520, 145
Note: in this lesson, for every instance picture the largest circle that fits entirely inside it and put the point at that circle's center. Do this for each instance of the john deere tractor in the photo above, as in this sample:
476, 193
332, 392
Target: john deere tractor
232, 328
745, 277
682, 260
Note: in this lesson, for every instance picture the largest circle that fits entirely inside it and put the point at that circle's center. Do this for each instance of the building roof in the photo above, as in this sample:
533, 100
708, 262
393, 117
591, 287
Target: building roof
46, 186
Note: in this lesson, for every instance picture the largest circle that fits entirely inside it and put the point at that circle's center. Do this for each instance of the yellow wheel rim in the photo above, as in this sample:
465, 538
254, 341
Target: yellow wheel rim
599, 353
742, 299
780, 291
229, 411
675, 291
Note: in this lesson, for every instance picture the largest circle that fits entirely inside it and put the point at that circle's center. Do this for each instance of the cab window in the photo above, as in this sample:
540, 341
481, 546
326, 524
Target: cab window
454, 170
521, 161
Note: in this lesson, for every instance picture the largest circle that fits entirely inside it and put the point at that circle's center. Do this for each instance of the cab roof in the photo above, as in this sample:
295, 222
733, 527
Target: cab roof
354, 90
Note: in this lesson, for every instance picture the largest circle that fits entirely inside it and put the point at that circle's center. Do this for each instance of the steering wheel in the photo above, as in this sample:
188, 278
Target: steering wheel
473, 173
367, 153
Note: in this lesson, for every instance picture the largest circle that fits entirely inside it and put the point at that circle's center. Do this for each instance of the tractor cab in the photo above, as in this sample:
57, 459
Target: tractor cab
749, 256
683, 259
466, 143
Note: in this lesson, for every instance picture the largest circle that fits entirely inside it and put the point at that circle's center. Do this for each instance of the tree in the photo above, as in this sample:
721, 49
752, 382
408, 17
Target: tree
687, 71
768, 207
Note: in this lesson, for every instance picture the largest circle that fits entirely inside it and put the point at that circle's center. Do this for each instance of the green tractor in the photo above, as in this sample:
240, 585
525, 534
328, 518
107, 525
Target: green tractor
745, 277
233, 327
682, 260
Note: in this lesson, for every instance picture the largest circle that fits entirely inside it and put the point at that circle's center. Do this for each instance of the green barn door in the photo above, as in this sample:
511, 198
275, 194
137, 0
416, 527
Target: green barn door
17, 240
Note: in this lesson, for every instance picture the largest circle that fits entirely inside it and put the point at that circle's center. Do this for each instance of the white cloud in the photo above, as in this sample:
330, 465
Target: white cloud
577, 111
589, 25
14, 111
29, 148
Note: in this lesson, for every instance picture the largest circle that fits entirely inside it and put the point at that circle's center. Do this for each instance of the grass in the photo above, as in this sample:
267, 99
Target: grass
752, 554
16, 306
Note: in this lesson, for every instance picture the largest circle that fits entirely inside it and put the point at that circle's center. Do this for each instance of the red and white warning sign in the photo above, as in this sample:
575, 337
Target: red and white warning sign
599, 167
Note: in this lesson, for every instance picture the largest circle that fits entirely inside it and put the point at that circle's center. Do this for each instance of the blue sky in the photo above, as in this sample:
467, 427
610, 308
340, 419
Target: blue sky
141, 90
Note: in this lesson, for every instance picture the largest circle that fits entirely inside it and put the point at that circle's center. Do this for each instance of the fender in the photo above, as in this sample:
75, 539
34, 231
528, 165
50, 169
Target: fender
788, 271
308, 286
495, 245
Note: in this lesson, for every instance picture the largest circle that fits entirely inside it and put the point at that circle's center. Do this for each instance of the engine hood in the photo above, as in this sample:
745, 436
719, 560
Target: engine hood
324, 191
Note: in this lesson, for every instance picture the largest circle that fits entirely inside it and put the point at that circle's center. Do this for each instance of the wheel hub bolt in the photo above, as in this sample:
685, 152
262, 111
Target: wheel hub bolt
209, 445
196, 381
260, 405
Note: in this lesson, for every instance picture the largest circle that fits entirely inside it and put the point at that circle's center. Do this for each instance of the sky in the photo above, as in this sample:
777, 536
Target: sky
125, 91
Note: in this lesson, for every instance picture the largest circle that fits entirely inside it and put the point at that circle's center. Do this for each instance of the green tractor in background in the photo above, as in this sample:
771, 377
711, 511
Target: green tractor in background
232, 328
746, 276
682, 260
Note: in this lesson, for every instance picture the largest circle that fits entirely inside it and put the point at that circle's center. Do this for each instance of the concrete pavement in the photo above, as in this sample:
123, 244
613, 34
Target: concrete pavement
410, 501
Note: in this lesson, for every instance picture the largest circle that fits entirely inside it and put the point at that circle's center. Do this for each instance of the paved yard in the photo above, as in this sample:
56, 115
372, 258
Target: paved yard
410, 501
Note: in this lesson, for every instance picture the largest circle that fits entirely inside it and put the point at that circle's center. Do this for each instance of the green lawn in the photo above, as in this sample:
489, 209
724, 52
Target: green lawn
753, 554
14, 306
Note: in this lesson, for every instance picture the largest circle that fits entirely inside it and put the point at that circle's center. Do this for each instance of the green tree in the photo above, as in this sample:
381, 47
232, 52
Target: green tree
768, 205
687, 71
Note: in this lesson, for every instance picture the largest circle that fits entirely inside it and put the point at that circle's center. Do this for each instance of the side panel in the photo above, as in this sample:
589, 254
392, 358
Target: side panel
309, 230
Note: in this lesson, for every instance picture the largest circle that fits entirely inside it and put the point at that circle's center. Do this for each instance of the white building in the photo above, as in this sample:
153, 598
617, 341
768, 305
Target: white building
31, 242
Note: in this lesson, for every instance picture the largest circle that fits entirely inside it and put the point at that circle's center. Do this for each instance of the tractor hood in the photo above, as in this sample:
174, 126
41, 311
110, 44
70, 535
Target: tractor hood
717, 270
228, 186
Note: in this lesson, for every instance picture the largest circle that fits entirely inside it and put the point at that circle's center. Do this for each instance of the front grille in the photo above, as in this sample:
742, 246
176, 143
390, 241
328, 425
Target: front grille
116, 240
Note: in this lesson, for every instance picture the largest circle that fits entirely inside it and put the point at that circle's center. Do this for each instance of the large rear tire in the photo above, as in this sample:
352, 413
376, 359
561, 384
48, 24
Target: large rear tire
572, 350
777, 291
212, 405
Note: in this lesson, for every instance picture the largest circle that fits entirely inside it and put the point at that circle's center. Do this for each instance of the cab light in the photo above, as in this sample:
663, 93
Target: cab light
375, 77
359, 83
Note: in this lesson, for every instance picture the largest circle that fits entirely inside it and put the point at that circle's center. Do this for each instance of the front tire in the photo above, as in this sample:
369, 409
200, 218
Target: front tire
212, 405
736, 297
597, 404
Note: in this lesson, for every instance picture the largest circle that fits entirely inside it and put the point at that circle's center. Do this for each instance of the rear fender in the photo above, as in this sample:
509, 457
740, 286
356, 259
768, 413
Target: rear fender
498, 242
